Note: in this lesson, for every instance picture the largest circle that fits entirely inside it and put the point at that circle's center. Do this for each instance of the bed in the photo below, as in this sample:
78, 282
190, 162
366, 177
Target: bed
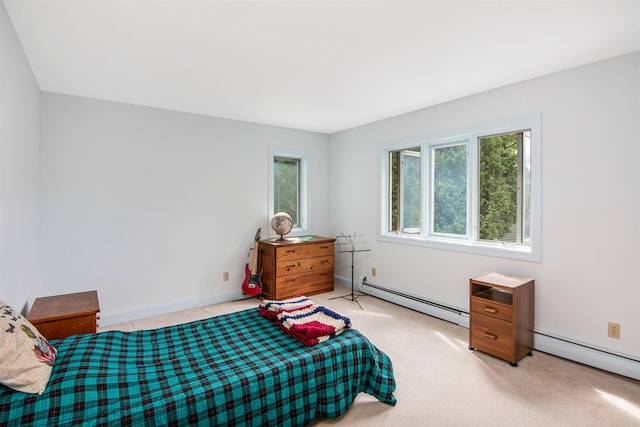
234, 369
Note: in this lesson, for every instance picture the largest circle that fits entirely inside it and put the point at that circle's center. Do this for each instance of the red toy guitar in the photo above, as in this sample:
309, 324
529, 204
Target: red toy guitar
252, 284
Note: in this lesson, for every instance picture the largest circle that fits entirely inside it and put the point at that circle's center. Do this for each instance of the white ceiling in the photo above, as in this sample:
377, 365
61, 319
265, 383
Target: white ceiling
316, 65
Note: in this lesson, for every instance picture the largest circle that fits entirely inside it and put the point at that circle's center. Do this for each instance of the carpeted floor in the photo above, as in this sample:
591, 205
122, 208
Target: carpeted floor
442, 383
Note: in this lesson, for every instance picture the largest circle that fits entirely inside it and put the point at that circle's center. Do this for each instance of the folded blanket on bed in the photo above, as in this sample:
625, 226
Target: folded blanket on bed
314, 324
306, 321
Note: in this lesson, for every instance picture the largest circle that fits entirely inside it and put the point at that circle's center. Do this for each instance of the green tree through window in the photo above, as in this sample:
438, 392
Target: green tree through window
405, 188
504, 188
450, 189
286, 186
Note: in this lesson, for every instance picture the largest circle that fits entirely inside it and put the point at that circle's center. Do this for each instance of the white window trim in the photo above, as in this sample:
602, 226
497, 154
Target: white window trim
304, 156
469, 243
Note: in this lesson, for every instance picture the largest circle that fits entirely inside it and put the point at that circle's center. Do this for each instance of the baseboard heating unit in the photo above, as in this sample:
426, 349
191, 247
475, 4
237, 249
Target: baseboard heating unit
432, 308
543, 341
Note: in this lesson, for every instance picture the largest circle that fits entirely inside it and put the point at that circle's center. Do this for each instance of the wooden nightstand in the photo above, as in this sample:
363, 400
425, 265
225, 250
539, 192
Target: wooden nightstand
59, 316
501, 316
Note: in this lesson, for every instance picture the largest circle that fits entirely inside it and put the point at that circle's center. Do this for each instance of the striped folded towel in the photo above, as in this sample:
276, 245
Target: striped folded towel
270, 308
314, 324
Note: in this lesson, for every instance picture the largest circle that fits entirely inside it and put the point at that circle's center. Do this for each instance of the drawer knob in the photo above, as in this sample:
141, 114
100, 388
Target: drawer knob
490, 336
491, 310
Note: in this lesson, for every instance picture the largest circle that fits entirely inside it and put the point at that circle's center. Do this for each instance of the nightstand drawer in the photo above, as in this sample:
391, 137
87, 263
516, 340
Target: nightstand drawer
62, 328
492, 308
304, 265
492, 335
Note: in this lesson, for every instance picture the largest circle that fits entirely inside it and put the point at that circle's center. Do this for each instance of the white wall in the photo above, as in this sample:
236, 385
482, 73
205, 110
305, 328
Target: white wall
150, 206
133, 198
591, 227
19, 171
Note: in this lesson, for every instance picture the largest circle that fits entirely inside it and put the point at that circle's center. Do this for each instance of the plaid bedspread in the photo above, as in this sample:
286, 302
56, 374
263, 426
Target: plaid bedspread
236, 369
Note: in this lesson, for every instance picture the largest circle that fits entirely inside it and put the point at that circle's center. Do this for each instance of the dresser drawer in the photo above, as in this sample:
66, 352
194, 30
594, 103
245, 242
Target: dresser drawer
304, 251
492, 335
304, 284
304, 265
492, 308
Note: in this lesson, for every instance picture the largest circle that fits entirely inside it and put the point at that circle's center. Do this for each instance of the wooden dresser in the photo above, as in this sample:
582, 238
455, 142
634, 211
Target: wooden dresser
59, 316
295, 266
501, 316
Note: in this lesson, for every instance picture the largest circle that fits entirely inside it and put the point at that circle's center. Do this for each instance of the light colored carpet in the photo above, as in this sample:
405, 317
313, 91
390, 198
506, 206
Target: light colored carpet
442, 383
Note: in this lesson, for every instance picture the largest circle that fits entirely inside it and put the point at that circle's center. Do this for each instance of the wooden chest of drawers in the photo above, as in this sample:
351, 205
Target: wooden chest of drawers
59, 316
296, 267
501, 316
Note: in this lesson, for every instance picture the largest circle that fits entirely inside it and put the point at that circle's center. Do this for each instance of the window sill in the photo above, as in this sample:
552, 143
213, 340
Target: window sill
501, 250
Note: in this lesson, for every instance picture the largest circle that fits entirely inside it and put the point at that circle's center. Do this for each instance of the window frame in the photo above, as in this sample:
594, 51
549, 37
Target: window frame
469, 243
304, 187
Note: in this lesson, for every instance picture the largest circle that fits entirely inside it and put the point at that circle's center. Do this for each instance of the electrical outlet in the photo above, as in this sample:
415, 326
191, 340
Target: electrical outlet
225, 276
614, 330
373, 271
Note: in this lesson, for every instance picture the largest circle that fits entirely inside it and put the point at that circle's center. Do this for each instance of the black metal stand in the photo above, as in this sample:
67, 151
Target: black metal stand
353, 296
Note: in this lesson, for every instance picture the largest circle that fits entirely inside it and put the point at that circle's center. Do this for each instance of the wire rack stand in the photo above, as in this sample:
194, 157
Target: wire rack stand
351, 244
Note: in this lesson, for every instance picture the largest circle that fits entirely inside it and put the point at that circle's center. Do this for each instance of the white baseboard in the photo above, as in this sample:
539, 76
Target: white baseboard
546, 342
127, 316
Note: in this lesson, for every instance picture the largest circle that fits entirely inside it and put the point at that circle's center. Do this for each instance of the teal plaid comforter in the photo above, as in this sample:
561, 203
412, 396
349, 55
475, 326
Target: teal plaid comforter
236, 369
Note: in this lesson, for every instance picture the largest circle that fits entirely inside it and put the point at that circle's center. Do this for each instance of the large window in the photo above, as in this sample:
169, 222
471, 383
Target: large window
289, 186
475, 191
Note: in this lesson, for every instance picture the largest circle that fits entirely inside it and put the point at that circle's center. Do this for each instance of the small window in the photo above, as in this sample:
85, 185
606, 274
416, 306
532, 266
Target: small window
405, 191
289, 186
286, 188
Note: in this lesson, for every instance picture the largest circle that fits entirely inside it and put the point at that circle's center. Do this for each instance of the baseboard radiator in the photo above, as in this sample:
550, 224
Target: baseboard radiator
543, 341
414, 302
